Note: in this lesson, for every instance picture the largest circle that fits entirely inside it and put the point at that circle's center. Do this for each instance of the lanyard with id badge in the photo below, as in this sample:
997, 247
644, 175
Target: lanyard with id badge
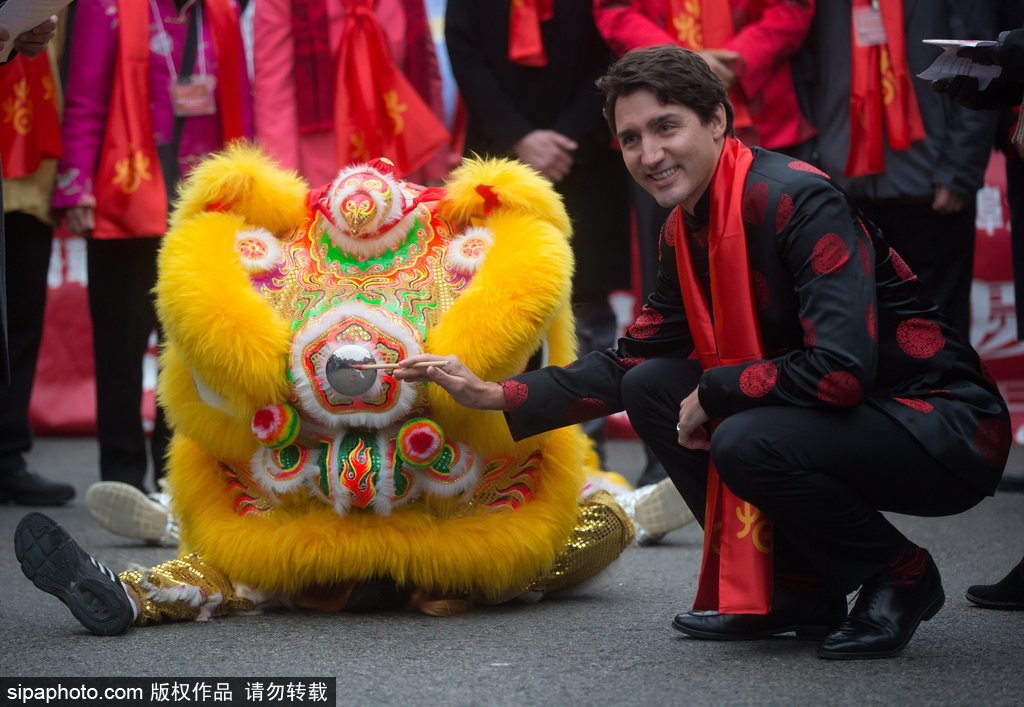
192, 95
868, 28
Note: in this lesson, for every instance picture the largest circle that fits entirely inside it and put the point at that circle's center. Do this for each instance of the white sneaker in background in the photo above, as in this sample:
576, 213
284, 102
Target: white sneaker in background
628, 500
662, 510
125, 510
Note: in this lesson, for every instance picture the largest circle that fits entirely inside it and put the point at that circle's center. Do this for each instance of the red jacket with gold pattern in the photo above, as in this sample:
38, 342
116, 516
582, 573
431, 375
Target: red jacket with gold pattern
767, 33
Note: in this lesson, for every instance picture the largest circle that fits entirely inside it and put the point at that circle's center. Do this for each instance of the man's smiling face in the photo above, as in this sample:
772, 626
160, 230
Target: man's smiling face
666, 147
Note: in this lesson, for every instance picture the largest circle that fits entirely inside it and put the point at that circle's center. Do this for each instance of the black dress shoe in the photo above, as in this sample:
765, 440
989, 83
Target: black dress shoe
1007, 593
28, 488
810, 616
56, 564
885, 616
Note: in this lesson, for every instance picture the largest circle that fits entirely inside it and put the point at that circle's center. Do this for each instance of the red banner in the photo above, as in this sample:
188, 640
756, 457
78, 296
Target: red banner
993, 316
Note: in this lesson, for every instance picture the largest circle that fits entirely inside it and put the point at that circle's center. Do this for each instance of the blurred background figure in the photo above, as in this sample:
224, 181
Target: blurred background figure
912, 161
30, 93
153, 87
526, 73
1004, 94
342, 81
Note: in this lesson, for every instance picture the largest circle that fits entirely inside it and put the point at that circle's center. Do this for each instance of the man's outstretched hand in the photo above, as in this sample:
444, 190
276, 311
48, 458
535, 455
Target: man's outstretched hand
462, 384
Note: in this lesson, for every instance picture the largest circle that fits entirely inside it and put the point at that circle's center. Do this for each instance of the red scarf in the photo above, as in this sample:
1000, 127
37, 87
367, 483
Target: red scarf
377, 112
707, 24
525, 45
30, 131
130, 195
314, 85
736, 572
880, 86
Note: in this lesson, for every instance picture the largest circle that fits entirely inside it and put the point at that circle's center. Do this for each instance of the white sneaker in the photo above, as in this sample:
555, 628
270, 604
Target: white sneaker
663, 509
124, 510
628, 500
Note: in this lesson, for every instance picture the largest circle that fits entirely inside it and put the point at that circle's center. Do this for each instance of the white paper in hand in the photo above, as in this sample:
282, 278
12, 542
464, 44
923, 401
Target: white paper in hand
22, 15
948, 64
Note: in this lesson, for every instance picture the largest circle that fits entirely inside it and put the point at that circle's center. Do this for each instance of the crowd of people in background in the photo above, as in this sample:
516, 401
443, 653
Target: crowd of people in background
151, 87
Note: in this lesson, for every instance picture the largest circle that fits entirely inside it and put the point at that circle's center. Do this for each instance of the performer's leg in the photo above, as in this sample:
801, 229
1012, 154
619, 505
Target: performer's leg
602, 532
186, 589
56, 564
121, 274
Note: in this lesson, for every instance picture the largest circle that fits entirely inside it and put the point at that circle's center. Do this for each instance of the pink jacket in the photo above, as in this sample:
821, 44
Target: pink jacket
768, 33
276, 107
87, 100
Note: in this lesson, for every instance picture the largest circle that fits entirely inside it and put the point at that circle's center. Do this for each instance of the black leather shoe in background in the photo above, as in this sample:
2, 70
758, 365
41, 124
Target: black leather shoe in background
1007, 593
28, 488
810, 616
885, 616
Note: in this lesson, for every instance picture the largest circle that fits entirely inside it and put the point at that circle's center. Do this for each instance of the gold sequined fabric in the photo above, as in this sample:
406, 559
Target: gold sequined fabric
602, 532
203, 590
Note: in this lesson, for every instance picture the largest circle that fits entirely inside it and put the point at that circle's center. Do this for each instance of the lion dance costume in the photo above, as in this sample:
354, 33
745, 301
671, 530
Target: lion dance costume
301, 480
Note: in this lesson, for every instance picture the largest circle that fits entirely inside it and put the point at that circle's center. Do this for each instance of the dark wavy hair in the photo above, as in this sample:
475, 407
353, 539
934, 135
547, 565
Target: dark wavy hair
673, 74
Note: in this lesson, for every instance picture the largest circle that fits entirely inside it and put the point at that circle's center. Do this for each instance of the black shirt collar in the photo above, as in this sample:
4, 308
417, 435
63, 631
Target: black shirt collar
701, 213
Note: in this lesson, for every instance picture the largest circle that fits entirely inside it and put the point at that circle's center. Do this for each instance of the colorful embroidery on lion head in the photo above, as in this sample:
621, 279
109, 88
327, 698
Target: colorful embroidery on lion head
292, 467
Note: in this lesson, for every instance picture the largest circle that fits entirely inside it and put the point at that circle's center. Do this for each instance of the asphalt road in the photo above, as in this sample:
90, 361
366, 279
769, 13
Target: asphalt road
609, 642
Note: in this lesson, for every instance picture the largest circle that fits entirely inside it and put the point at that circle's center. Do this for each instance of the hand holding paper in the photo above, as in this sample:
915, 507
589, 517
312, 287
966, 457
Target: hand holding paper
30, 24
951, 63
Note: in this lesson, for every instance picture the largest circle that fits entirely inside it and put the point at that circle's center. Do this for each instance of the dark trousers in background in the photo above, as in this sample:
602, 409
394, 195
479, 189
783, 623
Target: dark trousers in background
596, 327
822, 476
122, 274
939, 249
649, 219
29, 242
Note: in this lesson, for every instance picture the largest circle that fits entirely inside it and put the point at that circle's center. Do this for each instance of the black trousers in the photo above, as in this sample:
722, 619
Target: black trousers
822, 476
29, 242
122, 274
939, 249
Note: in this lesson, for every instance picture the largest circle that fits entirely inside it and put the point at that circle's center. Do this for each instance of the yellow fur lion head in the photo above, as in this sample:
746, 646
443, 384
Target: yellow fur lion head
291, 470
